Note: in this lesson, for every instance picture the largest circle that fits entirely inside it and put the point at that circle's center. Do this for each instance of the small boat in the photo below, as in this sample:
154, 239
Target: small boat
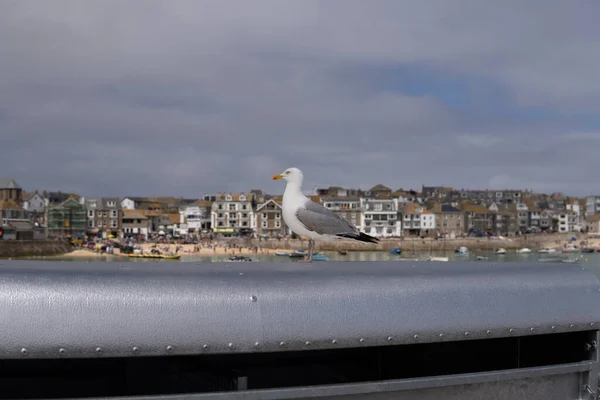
587, 250
298, 254
396, 250
570, 260
482, 258
570, 249
462, 250
500, 251
280, 254
547, 250
439, 259
156, 256
524, 250
320, 257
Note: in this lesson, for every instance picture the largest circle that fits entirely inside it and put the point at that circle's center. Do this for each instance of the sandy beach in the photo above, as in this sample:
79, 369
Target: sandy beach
184, 250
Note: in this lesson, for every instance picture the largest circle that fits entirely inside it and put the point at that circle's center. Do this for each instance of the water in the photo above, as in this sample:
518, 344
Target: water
588, 260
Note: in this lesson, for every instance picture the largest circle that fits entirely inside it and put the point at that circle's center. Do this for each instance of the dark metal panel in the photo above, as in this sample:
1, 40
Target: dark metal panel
78, 309
562, 382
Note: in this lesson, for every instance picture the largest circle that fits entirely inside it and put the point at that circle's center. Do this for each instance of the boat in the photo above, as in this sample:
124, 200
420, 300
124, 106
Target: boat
298, 254
570, 249
396, 250
524, 250
500, 251
587, 250
320, 257
570, 260
482, 258
155, 256
280, 254
439, 259
462, 250
547, 250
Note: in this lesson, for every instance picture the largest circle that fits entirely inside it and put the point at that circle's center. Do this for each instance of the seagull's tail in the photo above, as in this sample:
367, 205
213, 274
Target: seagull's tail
360, 237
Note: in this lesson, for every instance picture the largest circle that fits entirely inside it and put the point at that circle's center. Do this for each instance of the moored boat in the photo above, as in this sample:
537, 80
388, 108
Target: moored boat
155, 256
524, 250
396, 250
462, 250
500, 251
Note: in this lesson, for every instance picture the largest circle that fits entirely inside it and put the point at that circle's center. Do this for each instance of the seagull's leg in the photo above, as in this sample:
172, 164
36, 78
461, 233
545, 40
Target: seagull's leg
311, 249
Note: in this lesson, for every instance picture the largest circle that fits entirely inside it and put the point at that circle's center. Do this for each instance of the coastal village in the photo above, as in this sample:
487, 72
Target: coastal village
383, 212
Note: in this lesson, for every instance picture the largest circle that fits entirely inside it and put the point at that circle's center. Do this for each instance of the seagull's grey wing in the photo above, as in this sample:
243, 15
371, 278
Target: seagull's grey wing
318, 219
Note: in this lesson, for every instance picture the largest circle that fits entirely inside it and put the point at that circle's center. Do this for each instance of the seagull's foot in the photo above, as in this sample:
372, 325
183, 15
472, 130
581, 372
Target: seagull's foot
304, 261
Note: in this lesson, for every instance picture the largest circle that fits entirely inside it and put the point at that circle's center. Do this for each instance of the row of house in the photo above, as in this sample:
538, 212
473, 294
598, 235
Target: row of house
379, 212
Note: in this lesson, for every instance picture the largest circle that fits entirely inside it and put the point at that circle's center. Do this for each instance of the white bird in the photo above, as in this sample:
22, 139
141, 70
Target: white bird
309, 219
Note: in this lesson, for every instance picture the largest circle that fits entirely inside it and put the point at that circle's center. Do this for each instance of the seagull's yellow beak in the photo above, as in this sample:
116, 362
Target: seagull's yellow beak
278, 176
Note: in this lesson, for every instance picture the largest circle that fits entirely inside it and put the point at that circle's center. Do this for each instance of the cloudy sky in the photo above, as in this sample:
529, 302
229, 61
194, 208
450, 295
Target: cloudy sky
184, 97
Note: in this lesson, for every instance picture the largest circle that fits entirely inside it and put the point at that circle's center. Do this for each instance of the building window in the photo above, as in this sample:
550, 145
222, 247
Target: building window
228, 198
277, 216
265, 216
244, 215
113, 213
114, 224
265, 223
91, 213
91, 223
232, 207
220, 207
277, 224
242, 198
244, 207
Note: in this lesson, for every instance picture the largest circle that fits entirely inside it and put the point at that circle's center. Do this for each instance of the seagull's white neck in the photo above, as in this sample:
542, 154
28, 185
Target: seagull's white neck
293, 189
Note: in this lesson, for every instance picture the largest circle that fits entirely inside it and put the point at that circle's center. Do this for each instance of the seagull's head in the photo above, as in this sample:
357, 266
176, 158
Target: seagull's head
291, 175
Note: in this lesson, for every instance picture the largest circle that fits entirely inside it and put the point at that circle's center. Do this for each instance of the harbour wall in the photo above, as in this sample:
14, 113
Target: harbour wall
23, 248
427, 244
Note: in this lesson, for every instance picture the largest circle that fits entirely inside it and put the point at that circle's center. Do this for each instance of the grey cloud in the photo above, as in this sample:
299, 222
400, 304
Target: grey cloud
185, 97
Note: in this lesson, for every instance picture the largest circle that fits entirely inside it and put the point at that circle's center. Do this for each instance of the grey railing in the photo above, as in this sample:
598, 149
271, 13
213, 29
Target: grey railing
275, 331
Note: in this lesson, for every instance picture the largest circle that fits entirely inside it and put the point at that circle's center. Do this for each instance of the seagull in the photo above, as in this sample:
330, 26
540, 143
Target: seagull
309, 219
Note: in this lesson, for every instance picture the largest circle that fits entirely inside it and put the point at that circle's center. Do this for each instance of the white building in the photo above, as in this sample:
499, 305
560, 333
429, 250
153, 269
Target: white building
427, 220
379, 217
34, 203
568, 222
233, 214
592, 206
578, 223
197, 216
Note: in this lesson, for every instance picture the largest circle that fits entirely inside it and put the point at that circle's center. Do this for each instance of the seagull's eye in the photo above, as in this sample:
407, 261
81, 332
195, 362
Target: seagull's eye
287, 172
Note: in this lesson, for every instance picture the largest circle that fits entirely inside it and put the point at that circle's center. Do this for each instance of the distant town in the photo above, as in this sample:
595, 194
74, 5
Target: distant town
434, 211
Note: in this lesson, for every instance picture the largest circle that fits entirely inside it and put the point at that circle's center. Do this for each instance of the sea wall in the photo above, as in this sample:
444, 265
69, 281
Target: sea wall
417, 244
22, 248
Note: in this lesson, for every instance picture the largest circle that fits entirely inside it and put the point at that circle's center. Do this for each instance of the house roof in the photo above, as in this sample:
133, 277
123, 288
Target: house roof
277, 203
133, 214
443, 208
410, 208
7, 183
235, 196
379, 188
475, 209
10, 205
